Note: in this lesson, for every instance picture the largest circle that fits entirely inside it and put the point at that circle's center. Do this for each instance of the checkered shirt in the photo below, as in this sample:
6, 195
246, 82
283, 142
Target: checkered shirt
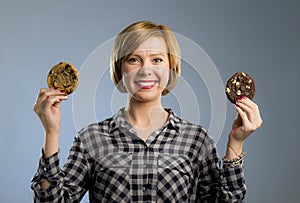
178, 163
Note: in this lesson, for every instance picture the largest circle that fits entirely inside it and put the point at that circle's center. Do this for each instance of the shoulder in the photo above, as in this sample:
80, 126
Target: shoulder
197, 131
104, 128
203, 142
188, 129
96, 130
186, 126
101, 126
96, 136
194, 127
194, 135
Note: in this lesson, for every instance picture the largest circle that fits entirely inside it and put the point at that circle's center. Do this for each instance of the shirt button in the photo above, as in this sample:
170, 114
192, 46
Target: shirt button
144, 189
45, 169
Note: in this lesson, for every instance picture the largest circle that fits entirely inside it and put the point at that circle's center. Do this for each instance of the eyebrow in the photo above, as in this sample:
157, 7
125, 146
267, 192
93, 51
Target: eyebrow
152, 54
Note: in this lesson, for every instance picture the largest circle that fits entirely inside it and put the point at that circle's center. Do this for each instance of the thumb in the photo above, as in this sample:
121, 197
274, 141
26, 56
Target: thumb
57, 104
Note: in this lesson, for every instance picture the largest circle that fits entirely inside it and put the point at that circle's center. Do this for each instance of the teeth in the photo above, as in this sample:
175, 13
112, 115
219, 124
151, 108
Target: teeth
146, 83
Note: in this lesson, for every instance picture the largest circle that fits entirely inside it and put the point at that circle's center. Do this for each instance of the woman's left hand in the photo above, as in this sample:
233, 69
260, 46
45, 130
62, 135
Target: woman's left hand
248, 120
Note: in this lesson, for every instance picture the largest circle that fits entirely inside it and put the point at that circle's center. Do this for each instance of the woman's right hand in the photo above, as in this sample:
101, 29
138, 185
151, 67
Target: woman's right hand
47, 107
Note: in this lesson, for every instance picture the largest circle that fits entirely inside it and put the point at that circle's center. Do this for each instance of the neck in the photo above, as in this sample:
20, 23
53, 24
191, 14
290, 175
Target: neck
144, 114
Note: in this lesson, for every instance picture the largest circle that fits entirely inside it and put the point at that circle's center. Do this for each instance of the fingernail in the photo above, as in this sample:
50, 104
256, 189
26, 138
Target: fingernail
240, 98
55, 88
62, 91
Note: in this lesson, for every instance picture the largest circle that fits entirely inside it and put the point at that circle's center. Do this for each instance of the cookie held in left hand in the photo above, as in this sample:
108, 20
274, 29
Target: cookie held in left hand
63, 76
238, 85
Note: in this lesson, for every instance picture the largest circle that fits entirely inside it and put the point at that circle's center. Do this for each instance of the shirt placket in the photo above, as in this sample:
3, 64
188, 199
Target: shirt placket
143, 175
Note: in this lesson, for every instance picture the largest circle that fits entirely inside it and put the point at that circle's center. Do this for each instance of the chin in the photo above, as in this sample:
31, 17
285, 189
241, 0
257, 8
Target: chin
143, 96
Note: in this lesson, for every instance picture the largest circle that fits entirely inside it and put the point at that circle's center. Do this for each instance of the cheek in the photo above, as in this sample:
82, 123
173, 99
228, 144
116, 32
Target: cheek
128, 78
124, 70
163, 74
126, 73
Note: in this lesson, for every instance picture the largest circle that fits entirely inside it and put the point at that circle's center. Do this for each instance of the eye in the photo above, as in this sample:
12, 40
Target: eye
157, 60
133, 60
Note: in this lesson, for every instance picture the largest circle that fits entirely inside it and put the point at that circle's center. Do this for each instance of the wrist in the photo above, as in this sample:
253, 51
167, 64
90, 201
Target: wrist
234, 149
231, 163
51, 144
53, 131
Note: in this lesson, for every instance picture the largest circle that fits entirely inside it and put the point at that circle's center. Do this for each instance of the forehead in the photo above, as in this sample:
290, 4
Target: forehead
153, 44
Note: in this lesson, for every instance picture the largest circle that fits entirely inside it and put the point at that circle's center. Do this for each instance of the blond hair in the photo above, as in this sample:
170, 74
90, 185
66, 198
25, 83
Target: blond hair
128, 41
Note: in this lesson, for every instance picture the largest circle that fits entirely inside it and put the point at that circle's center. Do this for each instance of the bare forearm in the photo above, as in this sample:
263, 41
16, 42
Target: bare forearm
51, 146
45, 184
234, 149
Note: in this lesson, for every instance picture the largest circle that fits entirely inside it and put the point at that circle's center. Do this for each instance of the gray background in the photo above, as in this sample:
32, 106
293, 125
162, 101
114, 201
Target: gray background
258, 37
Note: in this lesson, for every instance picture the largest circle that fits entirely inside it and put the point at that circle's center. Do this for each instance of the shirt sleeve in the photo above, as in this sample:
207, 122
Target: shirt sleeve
217, 184
68, 184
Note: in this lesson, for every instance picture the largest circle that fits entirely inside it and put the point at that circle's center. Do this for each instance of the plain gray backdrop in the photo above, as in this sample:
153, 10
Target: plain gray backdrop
261, 38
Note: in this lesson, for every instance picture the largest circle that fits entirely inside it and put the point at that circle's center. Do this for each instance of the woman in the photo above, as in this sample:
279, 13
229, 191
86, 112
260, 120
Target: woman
144, 152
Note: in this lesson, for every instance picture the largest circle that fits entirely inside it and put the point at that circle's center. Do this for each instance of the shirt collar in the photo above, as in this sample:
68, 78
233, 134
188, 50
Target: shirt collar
173, 121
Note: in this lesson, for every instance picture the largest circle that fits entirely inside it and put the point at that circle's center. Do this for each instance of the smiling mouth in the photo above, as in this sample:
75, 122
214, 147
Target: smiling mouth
146, 84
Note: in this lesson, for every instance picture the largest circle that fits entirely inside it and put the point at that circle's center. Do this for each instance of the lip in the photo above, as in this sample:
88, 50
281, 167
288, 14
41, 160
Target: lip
145, 84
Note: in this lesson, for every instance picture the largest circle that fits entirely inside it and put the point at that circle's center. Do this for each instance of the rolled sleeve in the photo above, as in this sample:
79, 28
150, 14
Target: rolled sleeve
232, 181
48, 169
67, 184
217, 184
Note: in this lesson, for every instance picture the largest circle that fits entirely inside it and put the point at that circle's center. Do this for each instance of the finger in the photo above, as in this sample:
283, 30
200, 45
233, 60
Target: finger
252, 111
248, 102
48, 102
237, 122
249, 107
46, 92
258, 119
255, 114
39, 95
52, 100
246, 110
242, 114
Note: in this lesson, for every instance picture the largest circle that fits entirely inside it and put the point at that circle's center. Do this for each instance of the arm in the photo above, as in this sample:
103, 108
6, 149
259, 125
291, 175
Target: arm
227, 184
47, 107
248, 120
217, 184
65, 185
51, 184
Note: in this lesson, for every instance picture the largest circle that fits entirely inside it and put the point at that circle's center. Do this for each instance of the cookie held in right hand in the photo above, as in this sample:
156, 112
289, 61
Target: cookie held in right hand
63, 76
240, 84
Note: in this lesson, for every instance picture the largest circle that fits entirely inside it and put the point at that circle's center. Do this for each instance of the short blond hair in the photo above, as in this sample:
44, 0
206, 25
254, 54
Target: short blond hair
128, 41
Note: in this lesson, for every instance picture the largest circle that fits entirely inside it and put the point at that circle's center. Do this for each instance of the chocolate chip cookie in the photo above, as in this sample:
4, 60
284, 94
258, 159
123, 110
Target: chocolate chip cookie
63, 76
239, 85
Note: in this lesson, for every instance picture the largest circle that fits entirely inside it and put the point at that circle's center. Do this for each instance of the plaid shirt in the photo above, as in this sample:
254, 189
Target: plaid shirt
178, 163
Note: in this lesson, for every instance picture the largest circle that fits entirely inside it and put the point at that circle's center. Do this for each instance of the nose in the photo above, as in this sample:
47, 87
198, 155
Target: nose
145, 71
146, 68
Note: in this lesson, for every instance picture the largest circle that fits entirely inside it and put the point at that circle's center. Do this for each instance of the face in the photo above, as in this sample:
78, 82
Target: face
146, 71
